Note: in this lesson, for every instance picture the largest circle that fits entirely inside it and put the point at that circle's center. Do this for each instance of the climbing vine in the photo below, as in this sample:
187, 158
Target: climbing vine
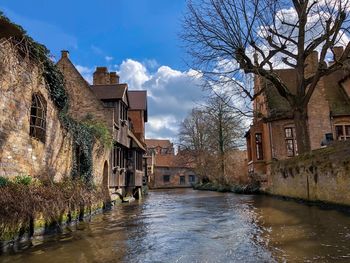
40, 54
84, 133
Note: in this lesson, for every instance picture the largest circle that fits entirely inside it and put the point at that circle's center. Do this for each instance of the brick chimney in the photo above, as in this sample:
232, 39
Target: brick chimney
113, 78
338, 52
64, 54
101, 76
311, 63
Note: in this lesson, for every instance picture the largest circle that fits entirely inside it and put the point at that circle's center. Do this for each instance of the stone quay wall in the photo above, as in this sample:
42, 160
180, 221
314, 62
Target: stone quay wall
321, 176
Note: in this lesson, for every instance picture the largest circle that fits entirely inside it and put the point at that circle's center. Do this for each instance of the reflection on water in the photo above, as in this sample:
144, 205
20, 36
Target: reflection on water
193, 226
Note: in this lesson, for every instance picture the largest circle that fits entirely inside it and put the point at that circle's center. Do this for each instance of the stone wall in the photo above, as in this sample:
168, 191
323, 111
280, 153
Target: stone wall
323, 175
318, 116
20, 153
82, 100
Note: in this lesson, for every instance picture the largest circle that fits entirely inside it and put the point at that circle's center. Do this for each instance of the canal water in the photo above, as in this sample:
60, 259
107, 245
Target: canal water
196, 226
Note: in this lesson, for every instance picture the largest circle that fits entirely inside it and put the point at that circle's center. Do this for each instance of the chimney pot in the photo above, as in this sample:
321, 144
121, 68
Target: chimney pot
64, 54
114, 78
311, 63
101, 76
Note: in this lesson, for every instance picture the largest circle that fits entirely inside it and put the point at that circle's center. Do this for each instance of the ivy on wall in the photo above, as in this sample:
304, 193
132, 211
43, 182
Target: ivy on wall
84, 133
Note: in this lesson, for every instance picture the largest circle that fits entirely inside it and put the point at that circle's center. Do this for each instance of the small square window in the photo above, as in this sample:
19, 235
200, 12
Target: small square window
166, 178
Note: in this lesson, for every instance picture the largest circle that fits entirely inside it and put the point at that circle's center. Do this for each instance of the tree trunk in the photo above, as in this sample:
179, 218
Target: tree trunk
302, 130
221, 148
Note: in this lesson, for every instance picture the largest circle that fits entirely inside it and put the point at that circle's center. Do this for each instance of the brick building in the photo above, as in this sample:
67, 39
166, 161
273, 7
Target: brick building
165, 168
33, 139
272, 134
125, 164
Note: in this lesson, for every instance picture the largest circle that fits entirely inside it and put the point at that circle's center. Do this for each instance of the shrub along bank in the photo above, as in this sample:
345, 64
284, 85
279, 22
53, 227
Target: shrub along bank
252, 188
28, 205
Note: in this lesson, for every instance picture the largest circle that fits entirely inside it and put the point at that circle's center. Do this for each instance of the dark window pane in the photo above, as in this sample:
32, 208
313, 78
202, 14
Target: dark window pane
166, 178
259, 146
182, 180
38, 118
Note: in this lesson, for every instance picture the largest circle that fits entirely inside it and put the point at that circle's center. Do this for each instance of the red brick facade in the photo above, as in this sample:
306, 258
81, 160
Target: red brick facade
272, 134
165, 167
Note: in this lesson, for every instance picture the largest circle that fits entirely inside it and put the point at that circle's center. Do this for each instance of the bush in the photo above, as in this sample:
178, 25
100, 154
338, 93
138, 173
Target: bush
4, 181
23, 179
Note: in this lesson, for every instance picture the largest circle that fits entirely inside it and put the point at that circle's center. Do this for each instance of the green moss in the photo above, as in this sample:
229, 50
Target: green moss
23, 179
4, 181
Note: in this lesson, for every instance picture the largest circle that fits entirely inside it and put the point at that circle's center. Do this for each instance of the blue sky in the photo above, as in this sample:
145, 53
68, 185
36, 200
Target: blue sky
136, 29
137, 38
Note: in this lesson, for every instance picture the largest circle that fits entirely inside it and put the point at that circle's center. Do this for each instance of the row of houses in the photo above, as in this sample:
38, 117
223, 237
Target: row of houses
35, 142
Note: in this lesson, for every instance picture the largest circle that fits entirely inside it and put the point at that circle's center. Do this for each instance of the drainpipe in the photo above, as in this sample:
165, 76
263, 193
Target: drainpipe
272, 153
270, 133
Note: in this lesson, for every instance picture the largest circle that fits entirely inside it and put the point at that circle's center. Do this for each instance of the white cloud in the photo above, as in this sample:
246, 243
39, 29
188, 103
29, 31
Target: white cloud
108, 58
86, 72
134, 73
171, 93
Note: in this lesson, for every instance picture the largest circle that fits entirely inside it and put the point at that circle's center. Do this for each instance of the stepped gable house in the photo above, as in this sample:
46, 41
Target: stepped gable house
33, 138
272, 134
165, 168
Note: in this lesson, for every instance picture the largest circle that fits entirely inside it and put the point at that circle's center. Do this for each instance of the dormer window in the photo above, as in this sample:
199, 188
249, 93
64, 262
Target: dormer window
38, 118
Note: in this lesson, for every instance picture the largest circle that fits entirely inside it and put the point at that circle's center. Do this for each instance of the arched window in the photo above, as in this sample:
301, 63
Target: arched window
38, 118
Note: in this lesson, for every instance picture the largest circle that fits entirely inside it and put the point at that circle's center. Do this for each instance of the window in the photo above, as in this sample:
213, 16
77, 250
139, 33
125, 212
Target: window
291, 142
259, 146
342, 132
119, 156
182, 180
123, 111
109, 104
139, 161
191, 178
38, 118
166, 178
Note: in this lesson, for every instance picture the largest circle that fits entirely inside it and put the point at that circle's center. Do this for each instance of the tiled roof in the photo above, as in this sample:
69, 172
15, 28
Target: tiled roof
171, 160
167, 160
153, 143
278, 107
109, 92
338, 100
136, 143
138, 101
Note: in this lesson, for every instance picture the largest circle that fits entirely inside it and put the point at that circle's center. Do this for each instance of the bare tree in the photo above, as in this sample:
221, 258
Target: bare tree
193, 140
210, 134
229, 38
224, 130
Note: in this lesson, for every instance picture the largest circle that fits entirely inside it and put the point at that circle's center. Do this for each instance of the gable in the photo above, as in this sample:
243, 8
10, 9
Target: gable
82, 100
